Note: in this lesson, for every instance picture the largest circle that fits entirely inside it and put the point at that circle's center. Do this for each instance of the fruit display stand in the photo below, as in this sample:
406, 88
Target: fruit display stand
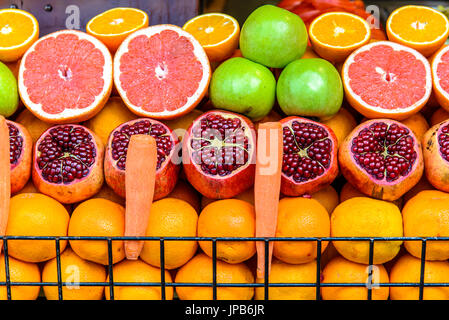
55, 16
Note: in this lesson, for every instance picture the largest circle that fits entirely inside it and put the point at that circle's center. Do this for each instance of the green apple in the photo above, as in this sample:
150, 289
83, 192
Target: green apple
243, 86
9, 97
273, 36
310, 87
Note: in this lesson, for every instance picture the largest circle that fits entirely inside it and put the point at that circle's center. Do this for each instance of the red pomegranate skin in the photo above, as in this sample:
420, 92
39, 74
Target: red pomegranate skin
215, 186
166, 175
384, 189
79, 189
436, 155
305, 185
20, 163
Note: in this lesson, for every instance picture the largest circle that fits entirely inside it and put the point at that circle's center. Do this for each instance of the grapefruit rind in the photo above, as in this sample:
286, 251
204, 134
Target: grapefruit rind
69, 115
441, 95
192, 101
370, 111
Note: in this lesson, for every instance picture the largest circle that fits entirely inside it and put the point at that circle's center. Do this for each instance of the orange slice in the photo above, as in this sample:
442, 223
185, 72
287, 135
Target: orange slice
161, 72
18, 31
334, 35
421, 28
65, 76
218, 33
385, 79
114, 25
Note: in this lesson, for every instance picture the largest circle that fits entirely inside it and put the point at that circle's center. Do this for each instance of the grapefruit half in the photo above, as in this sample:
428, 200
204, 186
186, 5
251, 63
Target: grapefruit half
387, 80
440, 76
65, 76
161, 72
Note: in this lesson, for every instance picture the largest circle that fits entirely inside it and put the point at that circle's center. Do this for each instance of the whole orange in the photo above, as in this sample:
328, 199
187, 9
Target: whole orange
35, 126
199, 270
300, 217
20, 271
170, 217
418, 124
408, 270
138, 271
427, 215
439, 116
99, 218
228, 218
340, 270
75, 271
186, 192
342, 123
282, 272
422, 185
366, 217
35, 214
328, 197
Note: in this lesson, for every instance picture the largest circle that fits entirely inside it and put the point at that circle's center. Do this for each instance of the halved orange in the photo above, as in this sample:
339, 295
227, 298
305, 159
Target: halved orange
161, 72
385, 79
18, 31
334, 35
114, 25
218, 33
65, 76
419, 27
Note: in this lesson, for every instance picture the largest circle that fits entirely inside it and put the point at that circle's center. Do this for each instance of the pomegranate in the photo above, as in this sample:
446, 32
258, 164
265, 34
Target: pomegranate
382, 158
310, 156
20, 151
167, 151
436, 155
218, 154
68, 163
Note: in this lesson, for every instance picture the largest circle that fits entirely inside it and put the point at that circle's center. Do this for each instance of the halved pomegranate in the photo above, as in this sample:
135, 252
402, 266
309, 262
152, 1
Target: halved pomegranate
167, 155
382, 158
20, 151
218, 154
310, 156
68, 163
436, 155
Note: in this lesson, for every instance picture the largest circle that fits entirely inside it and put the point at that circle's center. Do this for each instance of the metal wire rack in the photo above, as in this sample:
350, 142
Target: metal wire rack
111, 284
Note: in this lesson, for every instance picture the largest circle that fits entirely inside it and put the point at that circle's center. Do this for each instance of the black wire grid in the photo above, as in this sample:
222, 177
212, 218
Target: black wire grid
266, 285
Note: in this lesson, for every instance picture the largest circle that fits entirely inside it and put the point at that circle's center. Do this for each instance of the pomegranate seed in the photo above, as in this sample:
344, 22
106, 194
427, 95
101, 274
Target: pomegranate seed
15, 144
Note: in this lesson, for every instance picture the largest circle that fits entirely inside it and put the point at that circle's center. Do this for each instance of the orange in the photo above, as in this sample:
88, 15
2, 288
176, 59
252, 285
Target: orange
439, 116
377, 88
20, 271
184, 191
138, 271
349, 191
422, 185
408, 270
228, 218
340, 270
289, 273
18, 31
419, 27
199, 270
273, 116
418, 124
107, 193
170, 217
154, 91
309, 54
35, 214
342, 124
440, 73
77, 84
334, 35
113, 26
427, 215
181, 124
74, 271
247, 195
98, 218
366, 217
113, 114
300, 217
35, 126
327, 197
218, 33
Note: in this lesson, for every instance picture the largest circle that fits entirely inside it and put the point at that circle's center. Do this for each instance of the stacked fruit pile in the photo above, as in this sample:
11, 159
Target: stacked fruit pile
161, 131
